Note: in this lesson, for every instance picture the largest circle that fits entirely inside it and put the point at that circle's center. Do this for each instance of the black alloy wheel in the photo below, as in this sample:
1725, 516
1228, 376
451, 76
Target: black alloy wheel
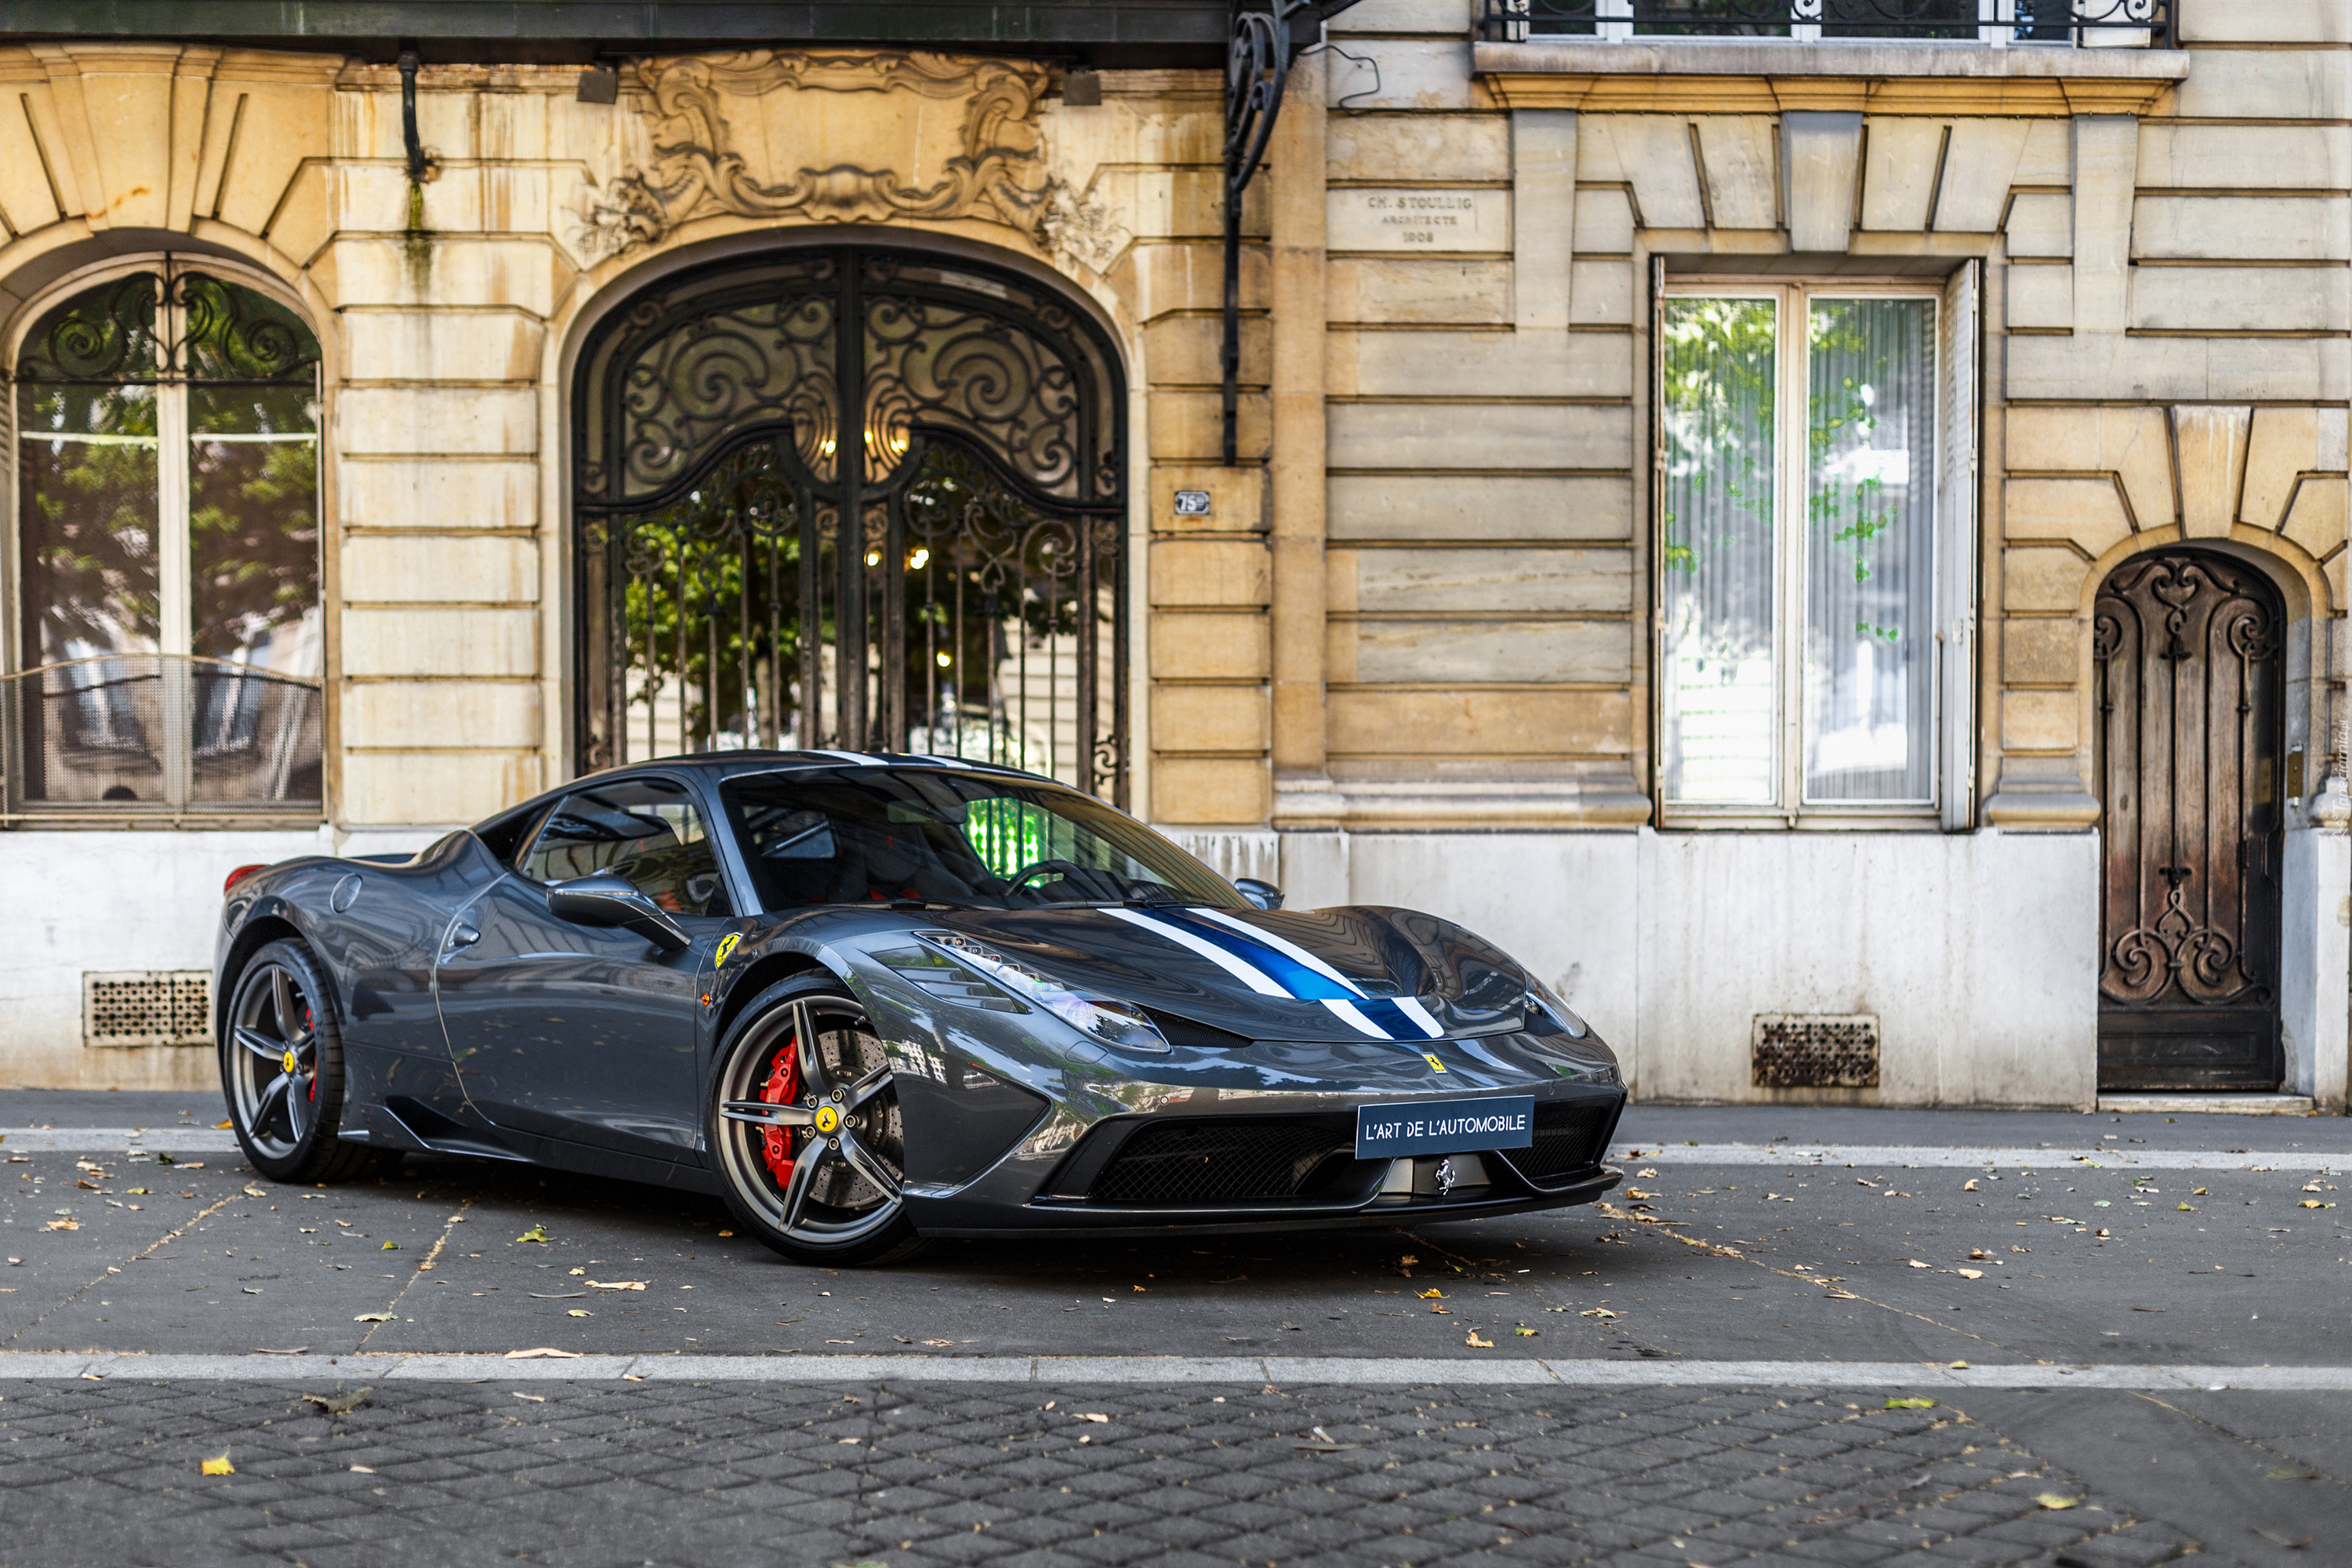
806, 1121
281, 1060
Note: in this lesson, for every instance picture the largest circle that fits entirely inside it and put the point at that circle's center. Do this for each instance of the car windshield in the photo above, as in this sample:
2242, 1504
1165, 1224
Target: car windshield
884, 835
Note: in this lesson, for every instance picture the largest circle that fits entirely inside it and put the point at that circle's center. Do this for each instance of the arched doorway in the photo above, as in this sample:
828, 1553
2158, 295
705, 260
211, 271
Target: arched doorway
2190, 656
953, 584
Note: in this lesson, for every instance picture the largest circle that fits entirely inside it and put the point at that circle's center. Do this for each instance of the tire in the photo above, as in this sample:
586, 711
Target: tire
281, 1060
803, 1118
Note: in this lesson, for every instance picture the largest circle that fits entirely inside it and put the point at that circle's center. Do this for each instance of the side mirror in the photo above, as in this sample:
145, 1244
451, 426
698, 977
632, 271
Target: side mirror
1264, 895
608, 900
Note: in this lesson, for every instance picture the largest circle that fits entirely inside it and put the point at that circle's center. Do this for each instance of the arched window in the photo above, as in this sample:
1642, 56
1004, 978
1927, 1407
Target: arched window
169, 650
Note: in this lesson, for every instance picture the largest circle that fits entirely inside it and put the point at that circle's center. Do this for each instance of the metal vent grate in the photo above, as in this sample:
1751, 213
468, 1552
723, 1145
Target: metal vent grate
1820, 1050
147, 1007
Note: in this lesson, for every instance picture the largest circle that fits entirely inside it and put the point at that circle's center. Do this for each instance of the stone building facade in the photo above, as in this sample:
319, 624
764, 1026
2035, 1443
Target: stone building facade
1717, 514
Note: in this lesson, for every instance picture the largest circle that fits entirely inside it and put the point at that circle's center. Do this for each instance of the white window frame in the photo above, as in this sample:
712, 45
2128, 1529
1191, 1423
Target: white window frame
1951, 728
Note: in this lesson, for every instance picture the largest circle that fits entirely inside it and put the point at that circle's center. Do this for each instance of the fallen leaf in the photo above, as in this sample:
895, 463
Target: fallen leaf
1917, 1264
1959, 1366
373, 1318
1432, 1294
1475, 1339
2281, 1540
576, 1312
1086, 1415
1841, 1295
616, 1285
390, 1246
63, 1224
1969, 1273
542, 1351
1646, 1175
534, 1398
2297, 1473
536, 1232
1527, 1334
339, 1404
1596, 1312
253, 1192
1979, 1252
2315, 1204
555, 1295
1407, 1261
362, 1469
1969, 1186
1910, 1404
725, 1233
939, 1344
2188, 1208
2057, 1500
223, 1126
2198, 1193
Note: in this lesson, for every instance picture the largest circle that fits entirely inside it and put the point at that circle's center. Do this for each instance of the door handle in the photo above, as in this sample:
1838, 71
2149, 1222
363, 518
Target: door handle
461, 935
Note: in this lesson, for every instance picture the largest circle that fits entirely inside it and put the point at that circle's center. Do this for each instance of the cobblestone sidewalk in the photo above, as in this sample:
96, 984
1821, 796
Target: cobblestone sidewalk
587, 1475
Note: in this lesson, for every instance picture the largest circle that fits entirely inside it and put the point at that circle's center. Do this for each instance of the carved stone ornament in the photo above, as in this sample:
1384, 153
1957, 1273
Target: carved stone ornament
843, 136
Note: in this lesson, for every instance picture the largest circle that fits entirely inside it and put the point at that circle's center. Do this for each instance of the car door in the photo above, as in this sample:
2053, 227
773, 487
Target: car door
585, 1033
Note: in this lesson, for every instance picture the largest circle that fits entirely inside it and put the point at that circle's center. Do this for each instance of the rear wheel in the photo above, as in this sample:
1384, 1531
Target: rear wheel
282, 1061
806, 1126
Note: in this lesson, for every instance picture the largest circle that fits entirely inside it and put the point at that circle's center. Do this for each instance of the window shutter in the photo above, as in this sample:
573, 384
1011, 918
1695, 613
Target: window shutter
1956, 595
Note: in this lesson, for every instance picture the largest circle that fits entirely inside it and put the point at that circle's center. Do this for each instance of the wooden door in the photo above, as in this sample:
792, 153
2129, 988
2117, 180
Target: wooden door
2189, 645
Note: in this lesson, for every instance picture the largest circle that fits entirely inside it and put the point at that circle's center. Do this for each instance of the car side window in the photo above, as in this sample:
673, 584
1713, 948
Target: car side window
645, 831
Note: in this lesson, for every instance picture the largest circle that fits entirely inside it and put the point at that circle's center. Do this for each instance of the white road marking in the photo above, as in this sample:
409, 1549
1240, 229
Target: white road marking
1926, 1157
1096, 1371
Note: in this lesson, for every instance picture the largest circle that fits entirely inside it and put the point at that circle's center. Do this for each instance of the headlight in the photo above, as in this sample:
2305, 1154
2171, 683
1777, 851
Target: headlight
1121, 1025
1539, 997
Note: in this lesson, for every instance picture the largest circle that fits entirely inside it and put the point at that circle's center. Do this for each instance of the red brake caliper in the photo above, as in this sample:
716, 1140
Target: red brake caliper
784, 1086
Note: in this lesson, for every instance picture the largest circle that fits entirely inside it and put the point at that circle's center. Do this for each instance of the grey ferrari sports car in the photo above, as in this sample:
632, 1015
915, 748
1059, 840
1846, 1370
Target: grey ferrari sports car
868, 1000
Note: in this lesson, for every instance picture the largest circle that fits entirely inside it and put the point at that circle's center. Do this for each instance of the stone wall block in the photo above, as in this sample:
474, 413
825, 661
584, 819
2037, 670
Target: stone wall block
1401, 73
489, 641
2252, 228
1601, 294
2049, 156
428, 345
283, 123
2244, 157
1211, 790
126, 122
1420, 147
2211, 444
1481, 436
2040, 652
2241, 299
1654, 151
1428, 580
2314, 520
1543, 218
1741, 167
425, 420
300, 228
1419, 291
2039, 720
1201, 645
1473, 364
1898, 185
1211, 718
2266, 84
1979, 167
1481, 505
2179, 369
25, 198
2041, 226
387, 788
2284, 443
2106, 165
1407, 17
2087, 513
1822, 155
1179, 276
434, 715
2132, 443
1473, 722
432, 494
1211, 573
426, 568
2041, 295
1604, 223
2035, 580
1237, 498
1190, 203
1186, 351
1189, 427
447, 271
1472, 652
2271, 23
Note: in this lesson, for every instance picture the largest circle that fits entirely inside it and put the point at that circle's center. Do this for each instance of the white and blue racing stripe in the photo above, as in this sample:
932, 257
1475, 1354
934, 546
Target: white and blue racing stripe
1272, 966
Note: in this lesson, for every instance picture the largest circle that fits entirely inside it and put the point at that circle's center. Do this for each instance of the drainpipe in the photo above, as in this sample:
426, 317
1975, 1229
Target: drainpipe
408, 137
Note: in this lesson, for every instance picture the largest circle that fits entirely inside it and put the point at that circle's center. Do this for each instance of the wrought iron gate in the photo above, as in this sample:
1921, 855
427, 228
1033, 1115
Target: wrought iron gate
951, 582
2190, 649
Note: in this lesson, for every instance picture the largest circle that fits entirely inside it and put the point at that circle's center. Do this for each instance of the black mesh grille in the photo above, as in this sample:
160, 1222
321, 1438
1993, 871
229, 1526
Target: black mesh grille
1568, 1139
1175, 1164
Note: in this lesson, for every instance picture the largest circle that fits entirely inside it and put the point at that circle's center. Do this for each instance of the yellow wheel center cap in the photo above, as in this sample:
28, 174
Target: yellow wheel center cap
827, 1119
290, 1061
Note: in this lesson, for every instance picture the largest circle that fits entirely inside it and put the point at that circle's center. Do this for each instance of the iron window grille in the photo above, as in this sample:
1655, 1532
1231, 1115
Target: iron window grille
169, 636
2141, 24
854, 497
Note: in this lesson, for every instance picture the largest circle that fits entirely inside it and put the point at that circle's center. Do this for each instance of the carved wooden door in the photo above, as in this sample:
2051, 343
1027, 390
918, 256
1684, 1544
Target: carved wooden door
2188, 647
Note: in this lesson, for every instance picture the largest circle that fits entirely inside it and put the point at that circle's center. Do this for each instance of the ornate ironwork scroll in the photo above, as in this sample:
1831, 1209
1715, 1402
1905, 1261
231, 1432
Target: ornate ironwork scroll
1257, 69
854, 497
2189, 649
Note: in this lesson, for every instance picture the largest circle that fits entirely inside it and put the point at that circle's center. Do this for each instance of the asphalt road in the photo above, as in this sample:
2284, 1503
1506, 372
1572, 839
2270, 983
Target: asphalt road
2054, 1259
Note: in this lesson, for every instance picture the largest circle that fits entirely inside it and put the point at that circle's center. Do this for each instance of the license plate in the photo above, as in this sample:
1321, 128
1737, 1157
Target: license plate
1444, 1126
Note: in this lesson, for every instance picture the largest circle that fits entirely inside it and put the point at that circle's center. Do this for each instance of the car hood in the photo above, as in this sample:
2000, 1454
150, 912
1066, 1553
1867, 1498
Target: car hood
1351, 974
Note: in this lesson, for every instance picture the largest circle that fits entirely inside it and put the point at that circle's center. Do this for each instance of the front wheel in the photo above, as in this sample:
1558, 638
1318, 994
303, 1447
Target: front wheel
805, 1122
281, 1059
